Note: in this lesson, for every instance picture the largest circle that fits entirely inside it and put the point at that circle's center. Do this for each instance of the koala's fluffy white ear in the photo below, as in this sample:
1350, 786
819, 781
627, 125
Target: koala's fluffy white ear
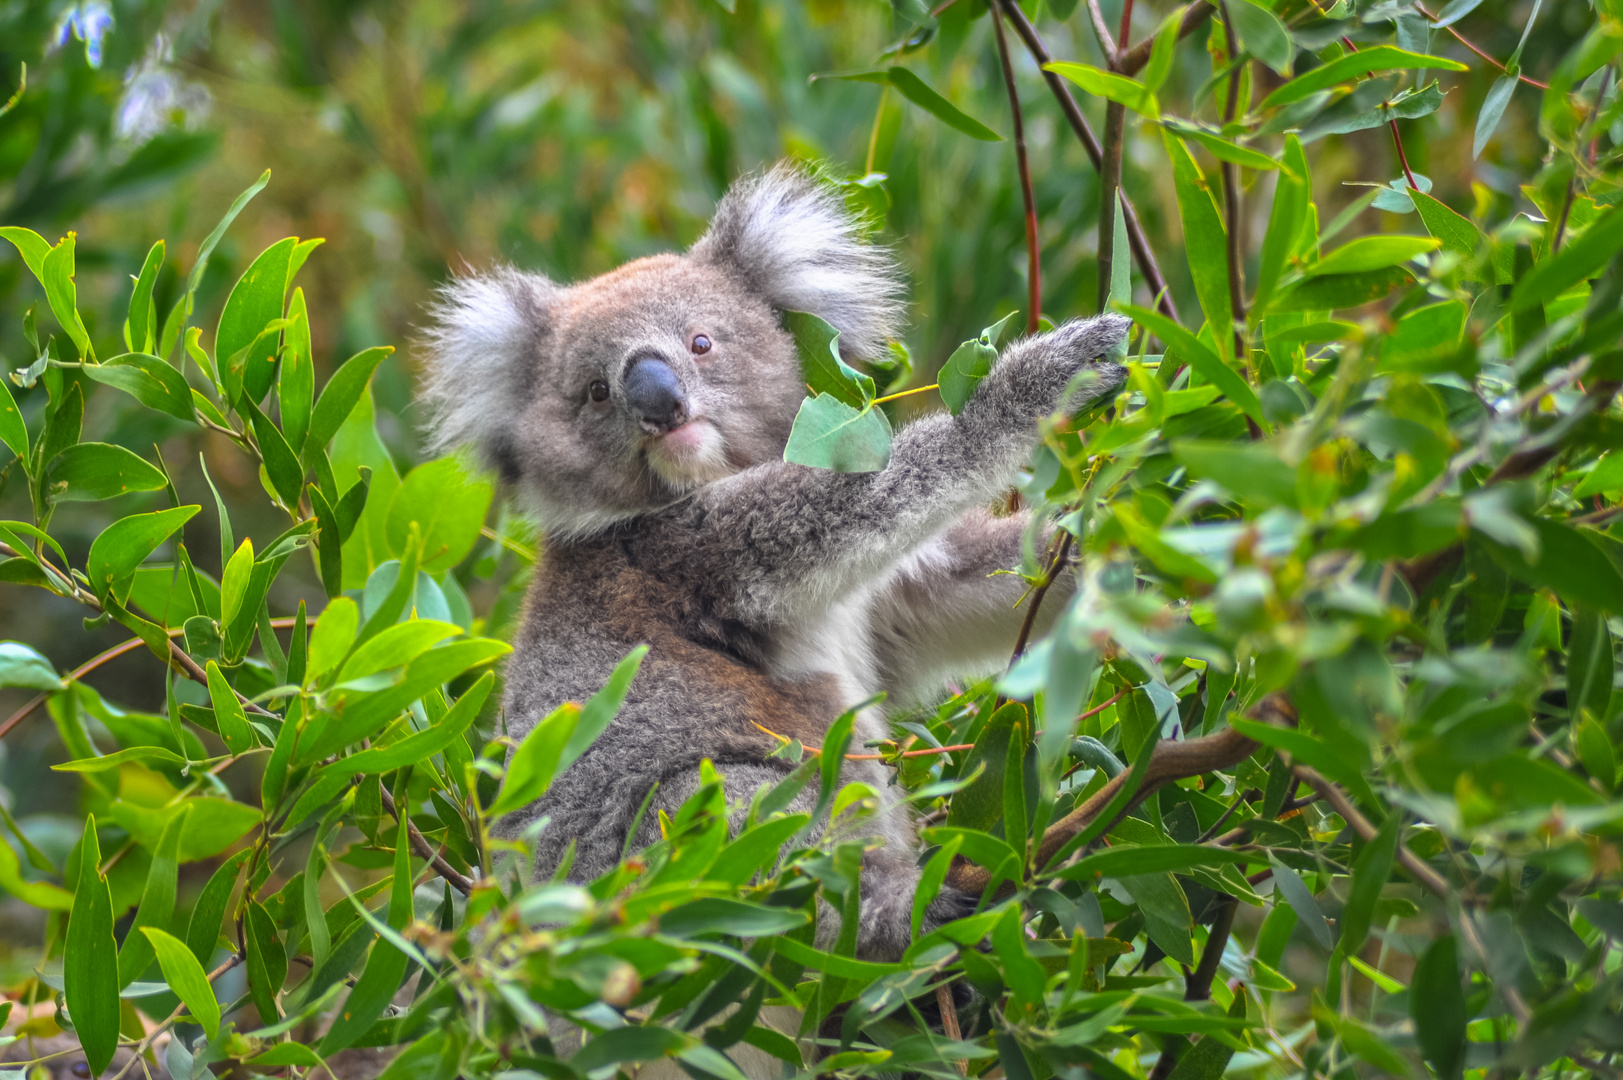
795, 243
481, 349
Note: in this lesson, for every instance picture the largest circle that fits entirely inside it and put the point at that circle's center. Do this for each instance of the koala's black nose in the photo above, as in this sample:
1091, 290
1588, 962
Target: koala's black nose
655, 395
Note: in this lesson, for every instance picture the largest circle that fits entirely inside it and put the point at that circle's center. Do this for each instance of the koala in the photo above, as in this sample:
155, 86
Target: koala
642, 415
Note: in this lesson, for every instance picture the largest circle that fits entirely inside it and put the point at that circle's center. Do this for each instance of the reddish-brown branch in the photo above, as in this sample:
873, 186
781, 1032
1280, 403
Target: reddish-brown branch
1107, 44
1461, 38
1403, 158
420, 844
1126, 32
1231, 203
1034, 267
1140, 243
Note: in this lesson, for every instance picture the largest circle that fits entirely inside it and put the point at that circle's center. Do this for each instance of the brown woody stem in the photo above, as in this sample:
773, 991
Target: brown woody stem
1034, 267
1136, 239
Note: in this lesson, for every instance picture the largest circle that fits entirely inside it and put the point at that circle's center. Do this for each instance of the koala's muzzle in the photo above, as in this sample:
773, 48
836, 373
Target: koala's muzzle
655, 396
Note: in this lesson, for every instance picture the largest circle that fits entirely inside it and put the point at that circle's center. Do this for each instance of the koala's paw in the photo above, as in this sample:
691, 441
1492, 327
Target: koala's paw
1035, 376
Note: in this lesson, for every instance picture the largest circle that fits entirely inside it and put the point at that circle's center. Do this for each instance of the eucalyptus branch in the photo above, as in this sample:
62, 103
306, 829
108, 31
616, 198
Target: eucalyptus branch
145, 1044
1034, 267
1133, 59
1079, 124
420, 844
1461, 38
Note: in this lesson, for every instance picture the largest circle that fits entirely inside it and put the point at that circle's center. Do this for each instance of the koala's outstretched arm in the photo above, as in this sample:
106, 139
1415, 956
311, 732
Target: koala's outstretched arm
778, 542
948, 611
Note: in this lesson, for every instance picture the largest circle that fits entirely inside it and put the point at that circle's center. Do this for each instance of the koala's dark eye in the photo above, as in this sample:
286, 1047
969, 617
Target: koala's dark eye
700, 345
599, 390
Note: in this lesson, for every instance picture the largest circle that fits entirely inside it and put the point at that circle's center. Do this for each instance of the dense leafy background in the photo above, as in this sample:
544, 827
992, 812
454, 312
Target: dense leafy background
1372, 535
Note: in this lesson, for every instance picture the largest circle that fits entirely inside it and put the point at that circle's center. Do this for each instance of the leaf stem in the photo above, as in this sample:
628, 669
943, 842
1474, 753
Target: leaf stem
906, 393
1403, 158
1034, 268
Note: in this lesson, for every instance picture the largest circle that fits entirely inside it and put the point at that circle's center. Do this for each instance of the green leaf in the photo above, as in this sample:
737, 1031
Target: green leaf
604, 705
1370, 872
1289, 885
396, 646
734, 917
90, 960
916, 90
1209, 1057
419, 745
1352, 65
40, 894
126, 543
534, 762
22, 667
157, 900
1607, 475
1292, 196
1595, 751
1578, 260
387, 964
1437, 1006
1206, 363
182, 310
1121, 89
969, 364
329, 543
1332, 292
818, 345
1456, 233
1590, 667
267, 960
341, 394
1494, 103
631, 1043
1126, 860
281, 464
1568, 562
203, 930
1166, 913
255, 300
829, 434
1121, 270
1249, 470
1263, 35
141, 326
1222, 149
150, 381
85, 472
63, 297
334, 633
31, 246
234, 582
1205, 241
13, 432
449, 507
979, 805
1373, 253
186, 978
228, 712
296, 381
146, 755
1162, 53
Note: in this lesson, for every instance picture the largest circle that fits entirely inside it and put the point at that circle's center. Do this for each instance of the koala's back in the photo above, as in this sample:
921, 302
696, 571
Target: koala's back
699, 694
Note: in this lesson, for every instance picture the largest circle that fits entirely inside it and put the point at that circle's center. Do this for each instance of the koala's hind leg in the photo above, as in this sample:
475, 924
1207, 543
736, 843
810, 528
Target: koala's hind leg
948, 611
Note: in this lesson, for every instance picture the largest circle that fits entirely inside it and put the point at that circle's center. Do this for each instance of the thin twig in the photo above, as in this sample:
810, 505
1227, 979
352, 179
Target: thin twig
141, 1048
1459, 37
1231, 204
1061, 551
1198, 987
1034, 267
1403, 158
1107, 44
1140, 243
420, 844
949, 1021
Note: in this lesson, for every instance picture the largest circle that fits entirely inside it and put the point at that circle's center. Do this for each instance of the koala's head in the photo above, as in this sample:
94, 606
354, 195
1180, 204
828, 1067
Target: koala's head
606, 399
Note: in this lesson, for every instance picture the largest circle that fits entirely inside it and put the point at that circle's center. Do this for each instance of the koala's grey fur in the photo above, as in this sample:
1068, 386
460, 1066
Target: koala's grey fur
770, 593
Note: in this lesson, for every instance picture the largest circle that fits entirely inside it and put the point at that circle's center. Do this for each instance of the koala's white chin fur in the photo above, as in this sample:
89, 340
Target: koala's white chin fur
689, 457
